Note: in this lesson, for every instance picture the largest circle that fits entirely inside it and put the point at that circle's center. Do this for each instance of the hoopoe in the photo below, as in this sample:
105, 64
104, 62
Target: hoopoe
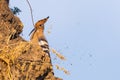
38, 35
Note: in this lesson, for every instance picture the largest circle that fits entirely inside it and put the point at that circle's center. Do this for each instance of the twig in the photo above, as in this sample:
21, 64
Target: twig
31, 12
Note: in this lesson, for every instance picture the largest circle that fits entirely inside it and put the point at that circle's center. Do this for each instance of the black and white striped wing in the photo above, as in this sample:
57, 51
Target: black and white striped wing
44, 45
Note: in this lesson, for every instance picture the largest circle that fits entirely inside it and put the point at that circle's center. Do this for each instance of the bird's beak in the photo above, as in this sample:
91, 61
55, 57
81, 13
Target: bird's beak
47, 17
31, 31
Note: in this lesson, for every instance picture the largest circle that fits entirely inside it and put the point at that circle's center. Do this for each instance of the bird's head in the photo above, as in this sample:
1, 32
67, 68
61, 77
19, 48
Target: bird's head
40, 23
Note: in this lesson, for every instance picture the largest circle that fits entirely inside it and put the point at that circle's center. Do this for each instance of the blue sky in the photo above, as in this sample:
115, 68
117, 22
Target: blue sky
86, 32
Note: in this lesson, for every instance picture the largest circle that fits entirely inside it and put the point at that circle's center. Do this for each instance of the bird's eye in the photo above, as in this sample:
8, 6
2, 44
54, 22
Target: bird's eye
41, 25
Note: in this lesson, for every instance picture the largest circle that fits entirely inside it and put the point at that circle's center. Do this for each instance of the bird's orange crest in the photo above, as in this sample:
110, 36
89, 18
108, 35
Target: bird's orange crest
41, 22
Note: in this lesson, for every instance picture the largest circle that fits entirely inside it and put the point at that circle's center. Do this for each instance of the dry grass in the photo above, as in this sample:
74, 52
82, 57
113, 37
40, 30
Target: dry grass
8, 55
58, 54
24, 61
62, 69
62, 58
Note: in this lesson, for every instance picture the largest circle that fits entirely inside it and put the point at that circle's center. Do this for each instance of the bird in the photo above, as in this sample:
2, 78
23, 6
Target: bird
38, 37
